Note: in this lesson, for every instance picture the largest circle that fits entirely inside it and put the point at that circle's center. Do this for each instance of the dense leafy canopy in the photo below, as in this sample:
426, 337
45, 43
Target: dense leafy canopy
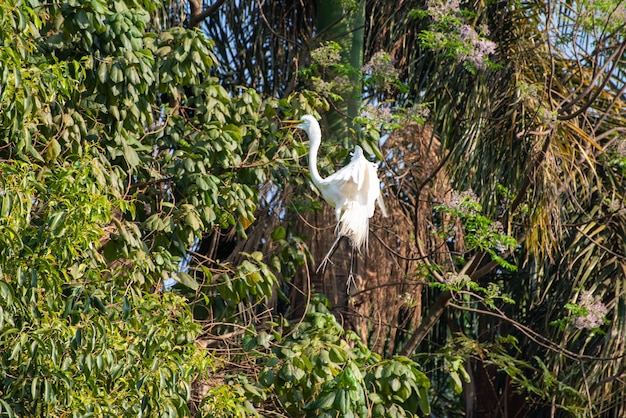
120, 150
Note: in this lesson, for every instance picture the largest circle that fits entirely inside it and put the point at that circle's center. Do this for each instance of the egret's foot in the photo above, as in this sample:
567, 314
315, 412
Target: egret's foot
329, 254
322, 267
352, 280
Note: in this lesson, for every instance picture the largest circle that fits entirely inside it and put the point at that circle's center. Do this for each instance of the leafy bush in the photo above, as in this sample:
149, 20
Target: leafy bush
75, 339
320, 370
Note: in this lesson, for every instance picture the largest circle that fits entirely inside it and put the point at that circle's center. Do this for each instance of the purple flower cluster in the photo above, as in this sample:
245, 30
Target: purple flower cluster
417, 112
477, 48
458, 201
438, 9
496, 228
337, 85
449, 23
458, 279
380, 114
381, 65
615, 206
594, 309
327, 54
620, 147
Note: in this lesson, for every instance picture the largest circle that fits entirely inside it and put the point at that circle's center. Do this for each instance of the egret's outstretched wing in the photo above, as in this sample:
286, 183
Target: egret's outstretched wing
353, 191
343, 185
368, 183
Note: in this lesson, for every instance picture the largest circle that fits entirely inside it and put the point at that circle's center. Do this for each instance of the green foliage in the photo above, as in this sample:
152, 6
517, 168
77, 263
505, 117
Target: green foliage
118, 151
529, 376
250, 282
74, 339
462, 283
606, 14
534, 127
333, 78
452, 34
318, 369
480, 232
229, 401
292, 254
399, 389
138, 96
328, 74
588, 313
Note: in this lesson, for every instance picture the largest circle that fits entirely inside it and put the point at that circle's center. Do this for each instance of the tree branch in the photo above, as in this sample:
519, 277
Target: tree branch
197, 15
429, 321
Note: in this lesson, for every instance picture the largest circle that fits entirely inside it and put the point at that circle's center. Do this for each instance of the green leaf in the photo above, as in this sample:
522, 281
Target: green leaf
115, 112
193, 221
53, 150
116, 75
6, 203
202, 183
103, 72
6, 409
336, 355
186, 280
55, 223
82, 20
342, 401
395, 384
34, 388
254, 390
257, 255
325, 401
48, 391
423, 401
279, 233
131, 156
155, 223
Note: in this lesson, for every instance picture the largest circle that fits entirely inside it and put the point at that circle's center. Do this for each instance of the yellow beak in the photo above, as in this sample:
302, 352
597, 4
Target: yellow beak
290, 123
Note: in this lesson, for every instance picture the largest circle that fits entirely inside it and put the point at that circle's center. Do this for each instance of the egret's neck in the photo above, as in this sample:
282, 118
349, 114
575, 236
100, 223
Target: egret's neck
315, 138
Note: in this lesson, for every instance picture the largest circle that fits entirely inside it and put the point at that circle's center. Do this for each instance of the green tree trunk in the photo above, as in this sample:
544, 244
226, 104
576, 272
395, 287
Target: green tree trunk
346, 27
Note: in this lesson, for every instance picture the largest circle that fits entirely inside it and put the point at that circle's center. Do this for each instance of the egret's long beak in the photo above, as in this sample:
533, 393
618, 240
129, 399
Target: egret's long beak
290, 123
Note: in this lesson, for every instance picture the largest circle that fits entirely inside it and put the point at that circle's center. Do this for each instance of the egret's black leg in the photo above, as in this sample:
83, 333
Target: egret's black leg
326, 260
351, 274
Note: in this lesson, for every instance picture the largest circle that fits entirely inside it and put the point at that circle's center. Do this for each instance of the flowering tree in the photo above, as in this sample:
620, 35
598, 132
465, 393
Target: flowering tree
534, 135
451, 34
589, 312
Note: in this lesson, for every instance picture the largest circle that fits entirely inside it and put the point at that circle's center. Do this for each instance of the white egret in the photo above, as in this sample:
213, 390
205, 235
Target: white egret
352, 191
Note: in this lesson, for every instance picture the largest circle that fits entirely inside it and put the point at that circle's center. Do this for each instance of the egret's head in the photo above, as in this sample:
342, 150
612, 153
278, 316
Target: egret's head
306, 122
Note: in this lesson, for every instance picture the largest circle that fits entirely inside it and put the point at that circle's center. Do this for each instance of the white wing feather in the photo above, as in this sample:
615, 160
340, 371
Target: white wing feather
353, 191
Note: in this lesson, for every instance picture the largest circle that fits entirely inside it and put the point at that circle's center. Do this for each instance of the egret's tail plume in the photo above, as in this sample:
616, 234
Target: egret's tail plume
354, 224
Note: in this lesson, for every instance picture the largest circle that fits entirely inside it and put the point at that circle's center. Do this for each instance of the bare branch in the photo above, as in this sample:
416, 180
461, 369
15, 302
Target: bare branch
197, 15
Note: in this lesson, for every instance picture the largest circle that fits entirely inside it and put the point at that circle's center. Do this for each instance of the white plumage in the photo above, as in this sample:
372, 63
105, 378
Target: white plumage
353, 190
